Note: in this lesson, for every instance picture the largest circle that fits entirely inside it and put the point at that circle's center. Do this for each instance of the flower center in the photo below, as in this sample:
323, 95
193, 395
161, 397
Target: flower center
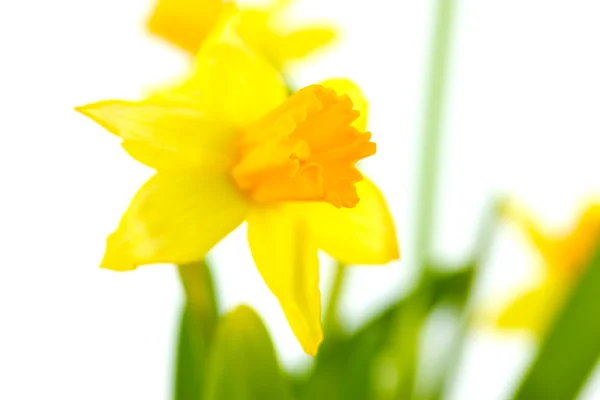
304, 150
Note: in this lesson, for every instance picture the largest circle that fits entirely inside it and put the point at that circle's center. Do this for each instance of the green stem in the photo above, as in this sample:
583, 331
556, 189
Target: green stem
198, 322
431, 136
331, 314
200, 292
427, 183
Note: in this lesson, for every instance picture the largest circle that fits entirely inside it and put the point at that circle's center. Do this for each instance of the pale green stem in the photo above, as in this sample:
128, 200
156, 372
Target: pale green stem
427, 183
200, 293
198, 322
431, 136
332, 312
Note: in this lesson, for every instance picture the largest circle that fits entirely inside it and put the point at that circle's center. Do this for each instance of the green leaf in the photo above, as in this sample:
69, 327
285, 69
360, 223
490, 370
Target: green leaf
243, 364
572, 348
357, 366
451, 286
381, 356
451, 289
191, 355
342, 368
198, 321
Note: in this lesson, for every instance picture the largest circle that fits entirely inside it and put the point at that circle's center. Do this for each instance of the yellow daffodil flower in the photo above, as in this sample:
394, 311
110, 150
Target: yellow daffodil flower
230, 146
187, 23
563, 257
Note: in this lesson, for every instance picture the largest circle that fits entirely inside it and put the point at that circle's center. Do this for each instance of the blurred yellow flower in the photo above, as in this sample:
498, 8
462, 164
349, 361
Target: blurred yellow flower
564, 257
230, 146
187, 23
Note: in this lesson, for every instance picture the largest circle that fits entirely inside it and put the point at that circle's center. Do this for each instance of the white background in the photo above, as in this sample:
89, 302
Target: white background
523, 120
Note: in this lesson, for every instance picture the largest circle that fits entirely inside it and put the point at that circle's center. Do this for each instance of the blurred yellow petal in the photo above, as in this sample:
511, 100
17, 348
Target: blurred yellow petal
535, 309
189, 23
175, 218
564, 257
568, 253
364, 234
234, 83
344, 86
580, 244
165, 136
264, 31
547, 246
302, 42
185, 23
255, 29
286, 257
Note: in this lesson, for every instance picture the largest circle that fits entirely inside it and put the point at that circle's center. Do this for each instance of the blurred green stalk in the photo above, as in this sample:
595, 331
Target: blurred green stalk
427, 182
432, 133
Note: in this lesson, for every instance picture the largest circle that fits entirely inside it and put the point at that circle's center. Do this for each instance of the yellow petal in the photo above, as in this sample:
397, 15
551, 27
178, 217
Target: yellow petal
255, 29
548, 247
166, 136
287, 260
302, 42
535, 309
364, 234
235, 84
344, 86
563, 254
175, 217
261, 30
185, 23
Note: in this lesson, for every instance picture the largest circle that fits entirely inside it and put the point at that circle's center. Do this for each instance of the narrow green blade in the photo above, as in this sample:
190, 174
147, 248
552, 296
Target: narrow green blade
572, 348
